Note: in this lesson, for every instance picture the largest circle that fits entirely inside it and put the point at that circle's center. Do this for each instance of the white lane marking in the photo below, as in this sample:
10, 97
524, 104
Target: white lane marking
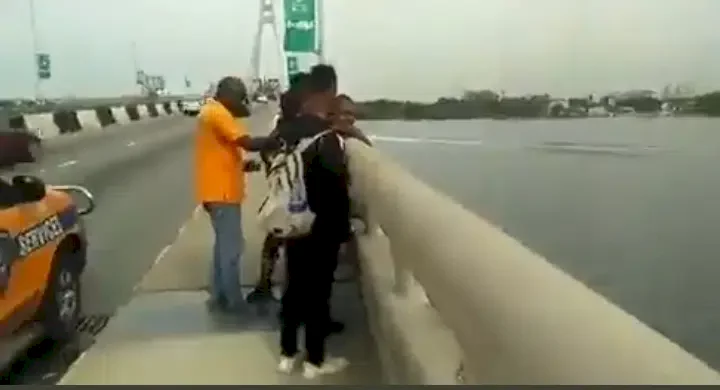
67, 163
162, 254
131, 144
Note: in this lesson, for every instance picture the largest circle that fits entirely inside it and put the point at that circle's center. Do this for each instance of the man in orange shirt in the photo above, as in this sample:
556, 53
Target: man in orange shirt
220, 143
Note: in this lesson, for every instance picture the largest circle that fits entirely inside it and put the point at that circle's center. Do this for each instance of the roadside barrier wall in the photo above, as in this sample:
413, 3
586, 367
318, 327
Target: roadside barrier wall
133, 112
451, 299
152, 110
101, 118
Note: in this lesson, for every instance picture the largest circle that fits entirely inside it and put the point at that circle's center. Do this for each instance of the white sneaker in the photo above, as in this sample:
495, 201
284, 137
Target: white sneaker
331, 365
286, 365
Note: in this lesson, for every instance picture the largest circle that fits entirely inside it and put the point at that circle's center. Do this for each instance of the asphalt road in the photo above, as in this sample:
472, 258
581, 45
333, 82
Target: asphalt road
141, 177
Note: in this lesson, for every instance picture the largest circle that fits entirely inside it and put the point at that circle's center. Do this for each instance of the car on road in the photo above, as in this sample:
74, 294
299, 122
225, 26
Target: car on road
191, 108
19, 146
42, 256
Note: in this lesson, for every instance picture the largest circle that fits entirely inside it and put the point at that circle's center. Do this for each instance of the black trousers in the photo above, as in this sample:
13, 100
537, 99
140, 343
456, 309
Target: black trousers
311, 262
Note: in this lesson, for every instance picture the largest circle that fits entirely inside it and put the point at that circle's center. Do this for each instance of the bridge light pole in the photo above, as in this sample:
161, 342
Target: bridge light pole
35, 47
320, 26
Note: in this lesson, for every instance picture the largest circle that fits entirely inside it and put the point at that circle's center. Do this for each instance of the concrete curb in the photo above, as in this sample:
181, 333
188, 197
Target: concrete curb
53, 124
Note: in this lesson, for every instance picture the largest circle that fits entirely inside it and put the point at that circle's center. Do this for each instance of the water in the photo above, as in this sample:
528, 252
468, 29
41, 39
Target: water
629, 206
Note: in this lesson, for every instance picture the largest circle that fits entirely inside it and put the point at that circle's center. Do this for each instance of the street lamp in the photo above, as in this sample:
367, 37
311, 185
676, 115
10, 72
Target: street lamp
35, 48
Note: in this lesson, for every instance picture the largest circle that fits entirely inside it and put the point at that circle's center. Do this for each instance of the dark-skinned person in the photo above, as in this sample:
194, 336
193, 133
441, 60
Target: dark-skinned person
312, 258
221, 141
290, 104
343, 119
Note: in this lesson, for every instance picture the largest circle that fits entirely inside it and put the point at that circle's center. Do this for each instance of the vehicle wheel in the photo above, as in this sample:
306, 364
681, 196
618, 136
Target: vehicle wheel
62, 305
35, 151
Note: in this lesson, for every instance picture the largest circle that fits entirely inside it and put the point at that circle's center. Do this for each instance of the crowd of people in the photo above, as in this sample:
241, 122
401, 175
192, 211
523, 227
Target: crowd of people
309, 109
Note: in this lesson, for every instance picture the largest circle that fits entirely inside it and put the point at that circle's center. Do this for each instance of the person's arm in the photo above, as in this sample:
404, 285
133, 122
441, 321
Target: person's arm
236, 132
336, 204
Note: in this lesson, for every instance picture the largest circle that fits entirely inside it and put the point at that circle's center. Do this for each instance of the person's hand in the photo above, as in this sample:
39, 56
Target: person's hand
272, 144
252, 166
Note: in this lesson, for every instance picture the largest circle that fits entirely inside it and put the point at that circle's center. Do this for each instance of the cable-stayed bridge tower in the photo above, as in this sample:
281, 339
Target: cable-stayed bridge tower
267, 20
303, 36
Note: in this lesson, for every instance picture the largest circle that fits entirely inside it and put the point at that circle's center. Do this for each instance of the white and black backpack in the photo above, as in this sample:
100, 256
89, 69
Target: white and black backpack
285, 211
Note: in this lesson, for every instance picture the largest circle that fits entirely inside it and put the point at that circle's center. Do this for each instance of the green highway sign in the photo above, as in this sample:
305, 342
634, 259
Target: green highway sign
293, 66
300, 26
42, 65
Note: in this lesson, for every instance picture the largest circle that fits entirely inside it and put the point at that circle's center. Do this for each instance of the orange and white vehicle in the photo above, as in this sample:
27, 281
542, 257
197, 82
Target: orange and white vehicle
42, 255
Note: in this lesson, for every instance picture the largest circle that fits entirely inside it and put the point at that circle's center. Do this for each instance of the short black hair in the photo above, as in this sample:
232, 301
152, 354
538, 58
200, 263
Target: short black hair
291, 100
299, 84
345, 97
289, 105
322, 78
231, 86
298, 80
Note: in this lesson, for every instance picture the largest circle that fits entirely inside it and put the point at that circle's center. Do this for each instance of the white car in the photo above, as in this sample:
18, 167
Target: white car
191, 108
262, 99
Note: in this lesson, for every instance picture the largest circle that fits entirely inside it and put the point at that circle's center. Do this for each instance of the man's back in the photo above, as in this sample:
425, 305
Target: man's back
218, 173
325, 175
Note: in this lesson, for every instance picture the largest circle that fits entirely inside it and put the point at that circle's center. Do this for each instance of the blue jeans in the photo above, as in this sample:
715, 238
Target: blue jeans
226, 219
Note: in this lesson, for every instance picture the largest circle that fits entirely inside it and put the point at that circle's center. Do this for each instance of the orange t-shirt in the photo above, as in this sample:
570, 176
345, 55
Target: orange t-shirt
218, 159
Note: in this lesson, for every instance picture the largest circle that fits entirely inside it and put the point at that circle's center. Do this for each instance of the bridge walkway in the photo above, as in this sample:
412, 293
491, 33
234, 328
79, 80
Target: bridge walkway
166, 335
469, 306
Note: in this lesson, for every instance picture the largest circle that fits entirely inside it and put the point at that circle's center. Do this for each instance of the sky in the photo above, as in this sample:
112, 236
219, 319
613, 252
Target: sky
401, 49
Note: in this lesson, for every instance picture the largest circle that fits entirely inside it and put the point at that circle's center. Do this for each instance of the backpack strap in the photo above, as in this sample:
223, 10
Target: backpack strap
306, 143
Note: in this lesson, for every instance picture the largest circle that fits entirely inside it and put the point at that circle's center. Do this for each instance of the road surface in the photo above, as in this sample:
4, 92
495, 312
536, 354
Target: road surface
141, 176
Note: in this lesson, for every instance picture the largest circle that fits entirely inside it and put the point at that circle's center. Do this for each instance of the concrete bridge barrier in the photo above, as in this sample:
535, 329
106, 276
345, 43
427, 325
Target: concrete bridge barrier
105, 116
133, 112
152, 111
17, 122
452, 299
61, 122
43, 124
67, 121
143, 110
167, 107
120, 114
88, 120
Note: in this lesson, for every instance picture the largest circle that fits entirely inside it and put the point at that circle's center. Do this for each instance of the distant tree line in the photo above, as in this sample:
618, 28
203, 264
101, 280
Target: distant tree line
489, 104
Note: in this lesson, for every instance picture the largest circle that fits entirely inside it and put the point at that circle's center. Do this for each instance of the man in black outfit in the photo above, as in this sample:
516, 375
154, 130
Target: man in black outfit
291, 104
311, 260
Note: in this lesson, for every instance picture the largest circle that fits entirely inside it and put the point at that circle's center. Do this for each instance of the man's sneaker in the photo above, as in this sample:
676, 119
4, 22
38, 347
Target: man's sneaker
331, 365
286, 365
260, 296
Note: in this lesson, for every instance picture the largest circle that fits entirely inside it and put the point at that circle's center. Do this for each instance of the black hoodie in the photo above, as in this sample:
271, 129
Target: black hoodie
326, 175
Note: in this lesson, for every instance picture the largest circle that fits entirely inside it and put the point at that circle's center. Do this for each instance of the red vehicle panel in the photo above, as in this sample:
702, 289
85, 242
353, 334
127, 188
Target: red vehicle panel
18, 146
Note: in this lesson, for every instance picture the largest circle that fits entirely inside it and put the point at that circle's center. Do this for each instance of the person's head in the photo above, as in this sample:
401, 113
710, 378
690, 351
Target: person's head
291, 101
343, 113
322, 88
298, 81
232, 93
